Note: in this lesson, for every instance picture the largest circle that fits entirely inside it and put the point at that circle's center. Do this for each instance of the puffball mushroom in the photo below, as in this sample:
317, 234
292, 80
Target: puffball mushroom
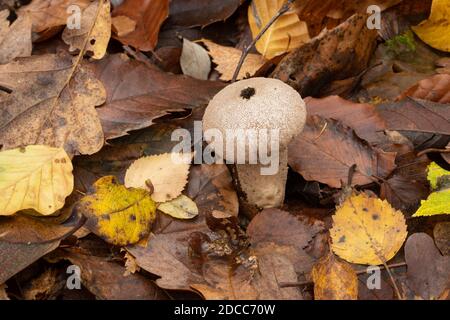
260, 104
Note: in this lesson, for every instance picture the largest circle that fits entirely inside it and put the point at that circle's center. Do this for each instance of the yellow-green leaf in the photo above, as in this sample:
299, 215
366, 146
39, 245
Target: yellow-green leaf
34, 177
117, 214
287, 33
437, 203
436, 30
367, 230
434, 173
182, 208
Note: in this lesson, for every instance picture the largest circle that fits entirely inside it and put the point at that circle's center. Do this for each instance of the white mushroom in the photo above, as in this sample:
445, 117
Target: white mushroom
261, 104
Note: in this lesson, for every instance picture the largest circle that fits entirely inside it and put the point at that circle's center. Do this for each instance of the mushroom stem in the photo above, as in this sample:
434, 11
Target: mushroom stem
264, 191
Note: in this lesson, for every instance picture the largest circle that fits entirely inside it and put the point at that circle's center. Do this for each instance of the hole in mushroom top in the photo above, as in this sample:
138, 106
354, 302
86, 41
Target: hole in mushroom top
247, 93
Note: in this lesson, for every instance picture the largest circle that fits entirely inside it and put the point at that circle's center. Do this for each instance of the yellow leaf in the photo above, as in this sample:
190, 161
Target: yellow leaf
287, 33
167, 175
434, 173
436, 30
227, 58
117, 214
437, 203
334, 280
35, 177
95, 24
367, 230
182, 208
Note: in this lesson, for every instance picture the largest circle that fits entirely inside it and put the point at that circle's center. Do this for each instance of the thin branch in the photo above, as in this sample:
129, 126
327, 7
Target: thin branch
433, 150
285, 8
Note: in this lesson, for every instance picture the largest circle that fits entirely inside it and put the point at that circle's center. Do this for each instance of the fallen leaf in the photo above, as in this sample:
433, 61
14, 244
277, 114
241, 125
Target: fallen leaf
104, 278
122, 25
14, 257
3, 294
434, 172
337, 54
46, 286
167, 173
441, 235
286, 34
362, 117
428, 271
326, 150
435, 31
194, 13
29, 229
227, 59
130, 264
195, 60
48, 14
417, 115
334, 280
143, 93
118, 215
404, 193
367, 230
15, 39
34, 177
94, 32
181, 207
147, 17
435, 88
50, 105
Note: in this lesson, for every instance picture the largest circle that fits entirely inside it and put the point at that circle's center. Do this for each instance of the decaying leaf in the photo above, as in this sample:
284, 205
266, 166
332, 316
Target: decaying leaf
436, 30
437, 202
286, 34
195, 61
334, 280
94, 32
118, 215
227, 58
3, 294
50, 104
337, 54
181, 207
435, 88
15, 39
143, 93
167, 173
34, 177
428, 271
441, 235
367, 230
326, 150
146, 16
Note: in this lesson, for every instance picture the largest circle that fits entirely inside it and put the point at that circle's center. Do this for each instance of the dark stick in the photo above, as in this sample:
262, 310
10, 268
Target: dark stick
285, 8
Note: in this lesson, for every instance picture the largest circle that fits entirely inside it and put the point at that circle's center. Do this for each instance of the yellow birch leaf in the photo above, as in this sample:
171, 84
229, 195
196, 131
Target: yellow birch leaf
367, 230
437, 203
182, 208
117, 214
227, 58
436, 30
287, 33
95, 24
34, 177
334, 280
167, 173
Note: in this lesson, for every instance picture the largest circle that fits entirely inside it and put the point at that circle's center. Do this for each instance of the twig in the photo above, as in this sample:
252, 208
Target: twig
433, 150
304, 283
285, 8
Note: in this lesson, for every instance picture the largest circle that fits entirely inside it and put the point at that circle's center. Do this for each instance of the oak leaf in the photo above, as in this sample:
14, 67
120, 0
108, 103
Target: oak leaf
367, 230
34, 177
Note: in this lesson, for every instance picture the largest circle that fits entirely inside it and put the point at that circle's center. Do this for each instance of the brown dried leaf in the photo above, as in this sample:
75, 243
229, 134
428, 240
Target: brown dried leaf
428, 271
195, 13
326, 150
143, 93
441, 235
15, 39
333, 55
148, 16
404, 193
417, 115
435, 88
43, 109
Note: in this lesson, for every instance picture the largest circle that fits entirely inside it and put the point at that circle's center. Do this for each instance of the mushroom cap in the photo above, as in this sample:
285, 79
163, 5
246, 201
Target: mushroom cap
256, 103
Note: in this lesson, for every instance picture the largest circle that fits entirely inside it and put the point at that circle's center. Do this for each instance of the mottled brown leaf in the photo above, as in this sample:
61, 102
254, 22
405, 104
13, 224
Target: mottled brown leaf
15, 39
326, 149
